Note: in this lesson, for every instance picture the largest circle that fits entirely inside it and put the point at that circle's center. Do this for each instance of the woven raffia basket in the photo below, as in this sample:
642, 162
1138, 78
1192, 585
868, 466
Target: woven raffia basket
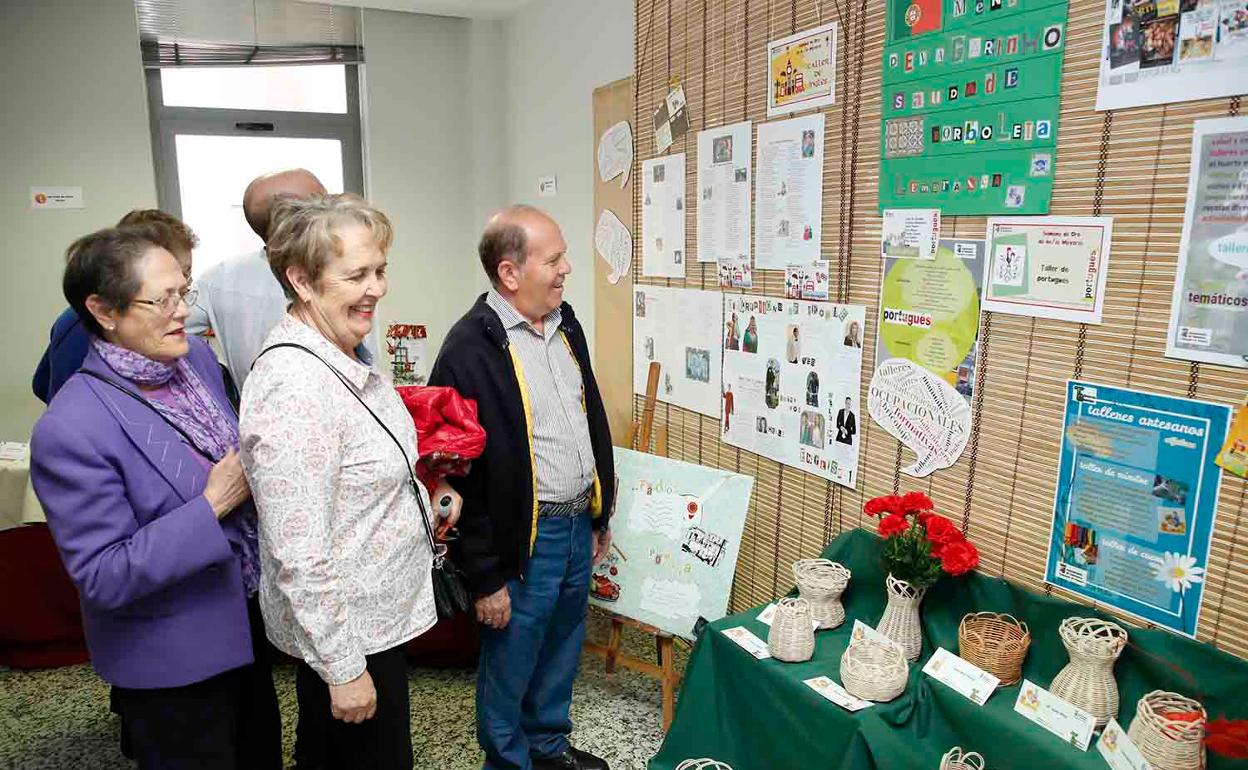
703, 764
1166, 742
821, 582
996, 643
874, 670
1087, 681
792, 635
900, 621
956, 759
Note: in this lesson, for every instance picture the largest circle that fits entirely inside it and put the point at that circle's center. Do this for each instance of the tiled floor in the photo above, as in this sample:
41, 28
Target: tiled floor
58, 719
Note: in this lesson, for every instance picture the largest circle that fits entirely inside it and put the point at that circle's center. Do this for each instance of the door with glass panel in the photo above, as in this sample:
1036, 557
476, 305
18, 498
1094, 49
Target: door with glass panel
214, 129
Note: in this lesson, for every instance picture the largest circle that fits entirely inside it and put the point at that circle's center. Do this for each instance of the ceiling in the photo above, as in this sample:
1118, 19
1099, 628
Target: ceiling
471, 9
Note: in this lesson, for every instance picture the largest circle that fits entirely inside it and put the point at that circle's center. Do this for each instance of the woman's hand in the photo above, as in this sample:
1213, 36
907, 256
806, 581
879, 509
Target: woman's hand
354, 701
227, 486
448, 504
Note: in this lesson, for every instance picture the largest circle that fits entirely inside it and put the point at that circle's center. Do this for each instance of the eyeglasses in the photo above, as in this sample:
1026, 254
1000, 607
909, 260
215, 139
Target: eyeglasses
169, 305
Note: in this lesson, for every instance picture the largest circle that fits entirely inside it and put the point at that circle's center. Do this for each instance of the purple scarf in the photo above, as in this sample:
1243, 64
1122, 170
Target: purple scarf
213, 431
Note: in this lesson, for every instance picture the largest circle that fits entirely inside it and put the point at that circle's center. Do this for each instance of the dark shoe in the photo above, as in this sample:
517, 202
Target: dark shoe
572, 759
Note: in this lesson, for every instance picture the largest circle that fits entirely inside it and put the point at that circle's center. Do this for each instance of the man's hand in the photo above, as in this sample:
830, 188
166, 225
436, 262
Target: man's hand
602, 544
354, 701
495, 610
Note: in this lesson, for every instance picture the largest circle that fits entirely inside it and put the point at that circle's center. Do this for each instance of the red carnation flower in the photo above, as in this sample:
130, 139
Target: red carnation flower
912, 502
881, 505
893, 524
959, 557
941, 531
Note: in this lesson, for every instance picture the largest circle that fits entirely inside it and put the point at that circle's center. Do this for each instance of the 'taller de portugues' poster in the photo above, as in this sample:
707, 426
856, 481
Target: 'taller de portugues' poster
1136, 495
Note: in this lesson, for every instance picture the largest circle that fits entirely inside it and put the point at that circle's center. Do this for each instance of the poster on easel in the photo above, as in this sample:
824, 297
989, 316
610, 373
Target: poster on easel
1134, 507
1209, 307
405, 343
792, 376
677, 532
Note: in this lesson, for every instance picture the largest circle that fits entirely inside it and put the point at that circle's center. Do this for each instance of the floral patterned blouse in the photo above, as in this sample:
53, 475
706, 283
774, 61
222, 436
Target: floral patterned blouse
346, 566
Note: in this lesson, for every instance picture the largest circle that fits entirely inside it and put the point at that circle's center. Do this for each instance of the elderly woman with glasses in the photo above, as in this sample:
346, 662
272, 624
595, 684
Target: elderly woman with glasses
329, 450
136, 465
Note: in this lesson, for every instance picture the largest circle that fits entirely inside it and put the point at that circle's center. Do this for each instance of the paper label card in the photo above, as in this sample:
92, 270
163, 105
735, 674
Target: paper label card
1119, 750
1068, 722
748, 642
769, 614
56, 198
837, 694
965, 678
864, 632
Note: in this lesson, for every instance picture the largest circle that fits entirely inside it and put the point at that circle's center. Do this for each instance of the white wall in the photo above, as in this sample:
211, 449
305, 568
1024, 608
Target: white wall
558, 52
419, 167
74, 113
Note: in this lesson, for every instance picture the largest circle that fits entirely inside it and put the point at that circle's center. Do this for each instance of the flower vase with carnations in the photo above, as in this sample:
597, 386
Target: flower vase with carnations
919, 547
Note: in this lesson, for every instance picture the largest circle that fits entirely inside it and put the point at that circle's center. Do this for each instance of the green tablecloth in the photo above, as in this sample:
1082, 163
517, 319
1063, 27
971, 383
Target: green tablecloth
758, 715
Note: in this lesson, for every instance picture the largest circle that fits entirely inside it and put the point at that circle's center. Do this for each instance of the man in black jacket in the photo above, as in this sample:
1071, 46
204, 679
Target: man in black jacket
537, 502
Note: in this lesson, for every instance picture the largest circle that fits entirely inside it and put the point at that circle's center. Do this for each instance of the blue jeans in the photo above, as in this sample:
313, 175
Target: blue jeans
524, 682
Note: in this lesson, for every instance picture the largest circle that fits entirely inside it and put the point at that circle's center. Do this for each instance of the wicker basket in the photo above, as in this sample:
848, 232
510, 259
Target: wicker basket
956, 759
996, 643
1168, 743
1087, 681
703, 764
873, 670
821, 582
900, 621
792, 635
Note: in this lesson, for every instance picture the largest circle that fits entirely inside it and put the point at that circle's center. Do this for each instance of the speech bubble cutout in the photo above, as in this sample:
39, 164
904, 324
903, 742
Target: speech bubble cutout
1231, 249
921, 411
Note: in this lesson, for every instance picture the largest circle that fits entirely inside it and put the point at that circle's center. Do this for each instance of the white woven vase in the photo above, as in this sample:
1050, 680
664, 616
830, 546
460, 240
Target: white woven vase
957, 759
1087, 681
821, 582
1168, 743
901, 617
792, 635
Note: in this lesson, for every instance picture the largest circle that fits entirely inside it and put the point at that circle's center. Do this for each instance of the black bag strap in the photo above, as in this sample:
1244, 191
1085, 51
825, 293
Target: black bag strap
189, 442
438, 549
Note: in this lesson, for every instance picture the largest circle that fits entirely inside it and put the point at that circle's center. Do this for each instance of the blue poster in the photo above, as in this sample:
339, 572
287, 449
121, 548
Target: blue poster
1136, 495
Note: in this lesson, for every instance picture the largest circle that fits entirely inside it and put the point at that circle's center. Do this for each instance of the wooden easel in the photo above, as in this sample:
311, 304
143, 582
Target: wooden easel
663, 670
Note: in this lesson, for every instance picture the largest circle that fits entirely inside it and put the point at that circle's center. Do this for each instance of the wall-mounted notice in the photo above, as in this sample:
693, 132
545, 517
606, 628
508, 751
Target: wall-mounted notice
1136, 494
929, 312
614, 243
1048, 267
788, 192
801, 71
663, 217
1158, 51
1209, 310
56, 198
971, 98
724, 156
736, 273
677, 534
807, 281
921, 411
671, 119
406, 345
792, 371
615, 153
910, 233
679, 328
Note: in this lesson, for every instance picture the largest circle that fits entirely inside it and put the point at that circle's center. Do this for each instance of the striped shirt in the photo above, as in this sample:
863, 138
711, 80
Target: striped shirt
562, 451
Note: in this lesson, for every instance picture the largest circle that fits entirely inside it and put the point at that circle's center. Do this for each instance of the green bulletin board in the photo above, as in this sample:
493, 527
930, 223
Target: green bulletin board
971, 101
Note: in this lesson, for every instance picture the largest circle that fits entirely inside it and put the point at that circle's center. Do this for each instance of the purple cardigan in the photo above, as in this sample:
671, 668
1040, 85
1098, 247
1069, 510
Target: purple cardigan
162, 593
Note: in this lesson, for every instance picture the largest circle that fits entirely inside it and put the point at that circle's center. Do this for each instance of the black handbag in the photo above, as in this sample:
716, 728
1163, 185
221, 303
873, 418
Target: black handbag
451, 595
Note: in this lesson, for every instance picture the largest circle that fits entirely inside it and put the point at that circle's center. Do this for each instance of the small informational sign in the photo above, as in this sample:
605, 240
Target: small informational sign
56, 198
965, 678
835, 693
748, 642
1119, 751
1065, 720
547, 186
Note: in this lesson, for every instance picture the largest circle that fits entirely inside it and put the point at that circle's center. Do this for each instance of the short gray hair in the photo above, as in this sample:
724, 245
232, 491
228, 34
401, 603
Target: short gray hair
304, 233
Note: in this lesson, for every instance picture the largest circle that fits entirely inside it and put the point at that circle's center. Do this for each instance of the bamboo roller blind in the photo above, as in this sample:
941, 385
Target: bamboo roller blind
1128, 164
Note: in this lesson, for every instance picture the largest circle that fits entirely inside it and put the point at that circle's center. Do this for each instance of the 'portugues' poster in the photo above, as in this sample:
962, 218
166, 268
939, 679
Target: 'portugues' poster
1209, 309
1136, 495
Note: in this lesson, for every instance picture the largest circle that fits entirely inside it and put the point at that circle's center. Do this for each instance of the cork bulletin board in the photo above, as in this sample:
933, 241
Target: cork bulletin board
1129, 164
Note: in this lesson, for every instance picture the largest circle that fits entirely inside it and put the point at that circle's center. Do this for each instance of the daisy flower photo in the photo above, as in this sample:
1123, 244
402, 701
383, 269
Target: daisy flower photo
1178, 572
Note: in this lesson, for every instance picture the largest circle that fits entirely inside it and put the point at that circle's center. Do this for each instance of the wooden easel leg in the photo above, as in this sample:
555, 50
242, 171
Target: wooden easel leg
668, 680
613, 645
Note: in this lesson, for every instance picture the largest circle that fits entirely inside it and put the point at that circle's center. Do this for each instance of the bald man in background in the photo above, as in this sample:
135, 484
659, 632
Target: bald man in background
239, 299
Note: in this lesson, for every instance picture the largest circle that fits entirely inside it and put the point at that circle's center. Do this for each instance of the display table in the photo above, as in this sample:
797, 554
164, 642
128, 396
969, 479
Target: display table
758, 715
18, 504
